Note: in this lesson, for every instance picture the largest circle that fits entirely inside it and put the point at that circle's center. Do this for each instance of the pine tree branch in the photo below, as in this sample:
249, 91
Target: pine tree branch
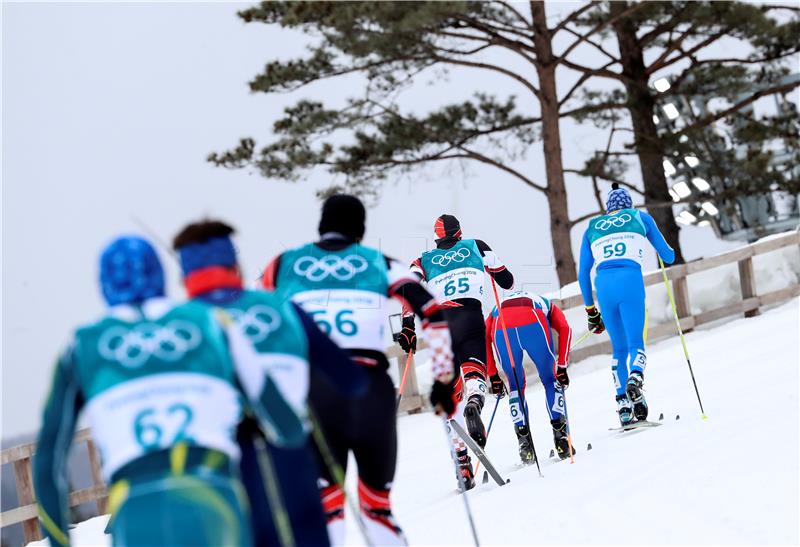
603, 72
573, 16
668, 25
486, 66
606, 178
597, 46
670, 48
598, 27
711, 118
508, 6
660, 64
585, 76
489, 161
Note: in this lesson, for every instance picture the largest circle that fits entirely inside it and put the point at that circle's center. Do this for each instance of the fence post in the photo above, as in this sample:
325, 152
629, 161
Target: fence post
747, 281
24, 479
97, 475
680, 287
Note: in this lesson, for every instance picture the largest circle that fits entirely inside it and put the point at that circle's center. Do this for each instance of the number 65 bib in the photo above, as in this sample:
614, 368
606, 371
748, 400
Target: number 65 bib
456, 272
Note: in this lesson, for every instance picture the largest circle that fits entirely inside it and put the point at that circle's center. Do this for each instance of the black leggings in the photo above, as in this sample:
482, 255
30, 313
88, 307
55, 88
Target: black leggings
366, 425
469, 339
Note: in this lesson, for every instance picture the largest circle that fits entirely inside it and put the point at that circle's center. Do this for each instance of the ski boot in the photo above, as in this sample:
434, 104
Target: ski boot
525, 444
634, 391
560, 438
472, 415
625, 411
465, 474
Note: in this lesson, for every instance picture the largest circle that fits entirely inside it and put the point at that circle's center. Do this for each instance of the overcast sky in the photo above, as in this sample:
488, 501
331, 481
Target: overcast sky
109, 111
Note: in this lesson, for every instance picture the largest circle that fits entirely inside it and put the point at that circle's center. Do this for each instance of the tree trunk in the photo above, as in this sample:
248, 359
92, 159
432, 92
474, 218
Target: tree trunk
642, 107
551, 138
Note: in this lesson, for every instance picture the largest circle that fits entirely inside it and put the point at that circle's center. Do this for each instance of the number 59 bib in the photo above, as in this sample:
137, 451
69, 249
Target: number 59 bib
616, 236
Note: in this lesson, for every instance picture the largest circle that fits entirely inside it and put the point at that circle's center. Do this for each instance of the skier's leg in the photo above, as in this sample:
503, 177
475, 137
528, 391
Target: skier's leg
375, 450
632, 309
514, 404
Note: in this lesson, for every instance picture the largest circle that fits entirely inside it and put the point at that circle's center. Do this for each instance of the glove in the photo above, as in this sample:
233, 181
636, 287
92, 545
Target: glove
443, 398
438, 337
595, 320
561, 375
498, 387
408, 336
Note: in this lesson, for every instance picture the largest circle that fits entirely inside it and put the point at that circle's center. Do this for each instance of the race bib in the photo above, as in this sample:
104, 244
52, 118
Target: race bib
628, 245
157, 411
351, 318
457, 283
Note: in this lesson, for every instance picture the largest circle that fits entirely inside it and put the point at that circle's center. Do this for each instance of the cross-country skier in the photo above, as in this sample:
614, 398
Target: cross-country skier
615, 244
162, 385
454, 273
539, 328
212, 275
344, 286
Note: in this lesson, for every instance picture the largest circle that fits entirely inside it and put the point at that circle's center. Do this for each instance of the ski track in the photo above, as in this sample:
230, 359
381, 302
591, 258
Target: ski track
691, 481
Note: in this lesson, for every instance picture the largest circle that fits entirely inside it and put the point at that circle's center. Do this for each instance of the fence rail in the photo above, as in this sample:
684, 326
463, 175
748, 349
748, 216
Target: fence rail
750, 304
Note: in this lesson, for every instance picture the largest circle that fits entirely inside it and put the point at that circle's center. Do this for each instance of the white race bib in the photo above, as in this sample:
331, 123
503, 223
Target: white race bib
629, 245
458, 283
157, 411
352, 318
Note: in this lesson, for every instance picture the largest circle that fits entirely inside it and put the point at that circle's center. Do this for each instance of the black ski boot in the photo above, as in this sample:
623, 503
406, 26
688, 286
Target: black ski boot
466, 475
525, 444
625, 411
560, 438
472, 415
634, 392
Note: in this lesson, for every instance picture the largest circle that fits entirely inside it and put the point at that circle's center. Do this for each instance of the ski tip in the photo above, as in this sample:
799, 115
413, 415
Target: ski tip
661, 416
589, 446
704, 417
677, 416
552, 453
485, 477
508, 481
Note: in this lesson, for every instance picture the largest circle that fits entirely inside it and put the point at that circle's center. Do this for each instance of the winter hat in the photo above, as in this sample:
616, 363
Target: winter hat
446, 227
618, 198
344, 214
205, 244
130, 271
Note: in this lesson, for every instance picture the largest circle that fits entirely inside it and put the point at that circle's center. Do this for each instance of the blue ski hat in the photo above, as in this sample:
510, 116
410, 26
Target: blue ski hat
618, 198
130, 271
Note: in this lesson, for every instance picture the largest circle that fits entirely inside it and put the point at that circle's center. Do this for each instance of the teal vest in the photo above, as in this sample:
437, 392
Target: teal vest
457, 272
620, 235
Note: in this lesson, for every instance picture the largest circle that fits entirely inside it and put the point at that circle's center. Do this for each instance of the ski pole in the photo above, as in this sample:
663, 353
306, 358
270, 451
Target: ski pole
280, 515
461, 482
403, 381
569, 429
520, 389
680, 333
336, 472
577, 342
489, 429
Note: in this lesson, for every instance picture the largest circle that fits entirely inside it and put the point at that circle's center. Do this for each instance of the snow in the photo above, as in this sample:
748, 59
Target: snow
87, 533
729, 479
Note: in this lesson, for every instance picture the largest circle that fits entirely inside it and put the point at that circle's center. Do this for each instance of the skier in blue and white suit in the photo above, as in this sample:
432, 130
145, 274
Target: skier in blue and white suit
615, 244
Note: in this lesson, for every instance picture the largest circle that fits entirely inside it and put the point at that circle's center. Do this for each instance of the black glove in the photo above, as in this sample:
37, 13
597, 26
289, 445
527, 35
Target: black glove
443, 398
408, 336
498, 387
561, 375
595, 320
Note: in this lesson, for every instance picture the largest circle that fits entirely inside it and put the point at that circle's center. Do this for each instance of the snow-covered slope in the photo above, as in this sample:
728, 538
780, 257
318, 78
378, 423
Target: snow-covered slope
730, 479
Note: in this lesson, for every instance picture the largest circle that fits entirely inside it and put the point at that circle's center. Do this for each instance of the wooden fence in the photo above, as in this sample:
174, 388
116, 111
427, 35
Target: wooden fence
412, 402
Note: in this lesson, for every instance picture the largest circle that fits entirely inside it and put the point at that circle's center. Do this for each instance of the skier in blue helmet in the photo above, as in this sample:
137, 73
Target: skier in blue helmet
614, 244
163, 386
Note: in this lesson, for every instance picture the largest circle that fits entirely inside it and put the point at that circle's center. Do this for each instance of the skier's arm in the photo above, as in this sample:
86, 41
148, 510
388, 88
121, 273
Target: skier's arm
326, 357
585, 272
269, 277
559, 323
279, 404
416, 269
50, 464
495, 266
656, 239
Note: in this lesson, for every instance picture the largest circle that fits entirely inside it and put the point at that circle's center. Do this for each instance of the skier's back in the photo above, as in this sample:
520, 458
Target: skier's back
344, 285
163, 386
615, 243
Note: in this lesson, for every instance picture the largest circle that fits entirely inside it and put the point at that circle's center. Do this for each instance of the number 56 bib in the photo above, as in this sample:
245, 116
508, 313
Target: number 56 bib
456, 272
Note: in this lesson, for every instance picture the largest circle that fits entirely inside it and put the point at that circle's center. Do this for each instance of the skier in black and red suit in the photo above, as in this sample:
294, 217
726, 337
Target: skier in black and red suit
454, 273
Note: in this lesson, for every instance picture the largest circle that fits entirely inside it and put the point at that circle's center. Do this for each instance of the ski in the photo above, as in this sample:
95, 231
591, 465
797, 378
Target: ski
635, 425
478, 451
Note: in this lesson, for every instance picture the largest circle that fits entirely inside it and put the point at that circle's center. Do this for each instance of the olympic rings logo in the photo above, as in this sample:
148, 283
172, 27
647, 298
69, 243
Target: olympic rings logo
616, 221
132, 348
451, 256
257, 322
337, 267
